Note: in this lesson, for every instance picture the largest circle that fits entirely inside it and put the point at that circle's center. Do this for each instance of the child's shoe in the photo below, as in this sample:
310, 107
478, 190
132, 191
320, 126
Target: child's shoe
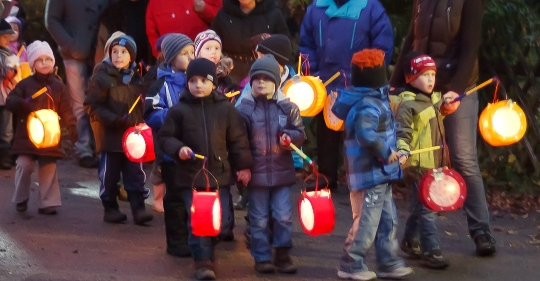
136, 201
435, 260
265, 267
397, 273
485, 245
283, 262
113, 215
360, 275
204, 270
47, 211
22, 207
411, 247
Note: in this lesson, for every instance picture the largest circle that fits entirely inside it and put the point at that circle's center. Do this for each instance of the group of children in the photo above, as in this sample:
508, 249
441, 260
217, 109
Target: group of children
247, 142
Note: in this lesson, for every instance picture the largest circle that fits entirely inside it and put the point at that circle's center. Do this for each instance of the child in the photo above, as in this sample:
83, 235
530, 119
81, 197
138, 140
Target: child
8, 62
19, 101
177, 51
16, 42
419, 125
113, 88
272, 122
204, 122
371, 162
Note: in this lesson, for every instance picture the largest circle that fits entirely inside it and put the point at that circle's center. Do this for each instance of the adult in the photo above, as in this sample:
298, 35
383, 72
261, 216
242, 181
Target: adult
74, 25
331, 32
188, 17
238, 21
450, 32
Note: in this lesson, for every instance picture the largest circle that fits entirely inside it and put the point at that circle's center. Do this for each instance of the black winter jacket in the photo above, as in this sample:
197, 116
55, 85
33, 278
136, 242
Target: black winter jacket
212, 127
109, 100
266, 119
59, 101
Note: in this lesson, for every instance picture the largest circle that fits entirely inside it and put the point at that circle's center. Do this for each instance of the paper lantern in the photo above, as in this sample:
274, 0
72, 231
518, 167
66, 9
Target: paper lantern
502, 123
138, 143
25, 70
442, 189
332, 122
316, 210
307, 92
44, 128
205, 213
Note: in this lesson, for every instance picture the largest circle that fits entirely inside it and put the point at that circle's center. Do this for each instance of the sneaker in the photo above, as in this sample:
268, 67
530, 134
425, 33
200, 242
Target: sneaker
265, 267
360, 275
435, 260
22, 207
204, 273
89, 162
398, 273
47, 211
411, 248
114, 216
485, 245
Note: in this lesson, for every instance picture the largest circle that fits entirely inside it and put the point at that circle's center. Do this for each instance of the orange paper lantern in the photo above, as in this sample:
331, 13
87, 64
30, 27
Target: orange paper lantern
502, 123
332, 122
205, 213
307, 92
442, 189
44, 128
138, 143
316, 210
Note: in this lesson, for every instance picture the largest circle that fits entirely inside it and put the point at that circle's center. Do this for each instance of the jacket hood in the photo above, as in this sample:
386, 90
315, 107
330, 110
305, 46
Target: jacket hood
232, 7
347, 98
165, 71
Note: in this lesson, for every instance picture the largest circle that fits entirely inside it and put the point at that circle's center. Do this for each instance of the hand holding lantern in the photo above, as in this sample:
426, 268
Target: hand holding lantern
185, 153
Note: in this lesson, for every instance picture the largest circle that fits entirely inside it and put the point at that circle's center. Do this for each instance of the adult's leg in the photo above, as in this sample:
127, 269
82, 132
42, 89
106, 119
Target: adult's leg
175, 214
328, 142
6, 136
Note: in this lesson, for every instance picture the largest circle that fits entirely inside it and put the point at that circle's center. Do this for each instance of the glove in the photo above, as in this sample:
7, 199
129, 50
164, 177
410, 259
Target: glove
120, 123
449, 108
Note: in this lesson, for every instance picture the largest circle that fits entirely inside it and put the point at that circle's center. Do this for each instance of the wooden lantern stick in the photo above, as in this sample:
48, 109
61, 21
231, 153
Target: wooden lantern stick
300, 64
332, 78
485, 83
195, 155
232, 94
20, 51
425, 149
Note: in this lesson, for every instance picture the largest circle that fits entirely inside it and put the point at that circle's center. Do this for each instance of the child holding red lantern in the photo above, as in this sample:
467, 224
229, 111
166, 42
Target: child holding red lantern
115, 86
21, 103
273, 122
205, 123
419, 125
372, 163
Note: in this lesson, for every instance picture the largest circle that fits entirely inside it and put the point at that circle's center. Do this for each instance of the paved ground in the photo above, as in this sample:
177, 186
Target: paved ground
77, 245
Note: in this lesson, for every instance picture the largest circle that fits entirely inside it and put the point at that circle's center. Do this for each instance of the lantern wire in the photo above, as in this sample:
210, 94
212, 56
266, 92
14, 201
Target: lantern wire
206, 173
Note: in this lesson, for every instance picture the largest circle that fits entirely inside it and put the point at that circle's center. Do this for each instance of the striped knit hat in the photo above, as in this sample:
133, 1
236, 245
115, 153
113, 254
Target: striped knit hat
204, 37
172, 44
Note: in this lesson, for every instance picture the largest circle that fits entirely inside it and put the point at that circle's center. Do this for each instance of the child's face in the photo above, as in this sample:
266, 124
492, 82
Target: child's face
120, 57
425, 82
44, 64
263, 85
14, 37
4, 40
211, 50
200, 87
182, 59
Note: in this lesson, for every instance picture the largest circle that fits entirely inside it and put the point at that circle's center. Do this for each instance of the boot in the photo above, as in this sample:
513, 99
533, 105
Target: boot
265, 267
204, 270
136, 200
5, 160
159, 193
283, 262
112, 213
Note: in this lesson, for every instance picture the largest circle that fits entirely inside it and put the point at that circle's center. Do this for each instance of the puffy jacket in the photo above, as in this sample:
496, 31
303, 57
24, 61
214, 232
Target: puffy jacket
109, 99
212, 127
266, 119
370, 136
57, 99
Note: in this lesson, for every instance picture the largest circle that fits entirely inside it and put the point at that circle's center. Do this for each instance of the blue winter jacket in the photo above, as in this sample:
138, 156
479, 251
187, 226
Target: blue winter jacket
370, 136
330, 36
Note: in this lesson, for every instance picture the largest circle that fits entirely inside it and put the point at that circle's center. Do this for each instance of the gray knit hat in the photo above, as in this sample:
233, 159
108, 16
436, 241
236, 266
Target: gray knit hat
267, 65
125, 41
172, 44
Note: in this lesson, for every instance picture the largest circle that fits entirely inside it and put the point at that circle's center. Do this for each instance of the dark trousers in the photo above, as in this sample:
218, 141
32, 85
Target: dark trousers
175, 213
329, 143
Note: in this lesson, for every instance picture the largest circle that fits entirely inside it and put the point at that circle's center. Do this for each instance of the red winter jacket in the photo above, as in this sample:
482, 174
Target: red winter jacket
179, 16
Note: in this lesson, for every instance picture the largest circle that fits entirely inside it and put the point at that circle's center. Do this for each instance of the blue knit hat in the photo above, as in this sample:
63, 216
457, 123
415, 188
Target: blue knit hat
125, 41
172, 44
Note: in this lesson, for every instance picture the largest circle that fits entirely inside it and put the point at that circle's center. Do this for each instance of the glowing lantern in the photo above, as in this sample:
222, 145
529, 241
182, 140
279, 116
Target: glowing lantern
332, 122
138, 143
43, 128
307, 92
206, 213
442, 189
316, 211
502, 123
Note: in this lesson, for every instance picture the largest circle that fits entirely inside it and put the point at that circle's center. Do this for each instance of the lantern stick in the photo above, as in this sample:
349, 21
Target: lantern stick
425, 149
195, 155
304, 156
485, 83
332, 78
134, 104
39, 93
20, 51
232, 94
300, 64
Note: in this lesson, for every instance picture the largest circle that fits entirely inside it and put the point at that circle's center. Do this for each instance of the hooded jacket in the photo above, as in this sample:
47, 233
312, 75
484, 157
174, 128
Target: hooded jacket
370, 136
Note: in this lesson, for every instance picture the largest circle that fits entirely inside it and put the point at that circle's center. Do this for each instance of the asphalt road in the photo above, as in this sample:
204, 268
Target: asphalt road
77, 245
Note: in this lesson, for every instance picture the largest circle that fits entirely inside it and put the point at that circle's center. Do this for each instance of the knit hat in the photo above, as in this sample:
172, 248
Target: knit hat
266, 65
37, 49
415, 64
109, 41
172, 44
159, 41
125, 41
202, 67
278, 45
5, 27
368, 69
204, 37
15, 20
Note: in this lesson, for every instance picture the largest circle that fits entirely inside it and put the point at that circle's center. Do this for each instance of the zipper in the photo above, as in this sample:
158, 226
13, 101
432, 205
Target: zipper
268, 143
448, 18
205, 130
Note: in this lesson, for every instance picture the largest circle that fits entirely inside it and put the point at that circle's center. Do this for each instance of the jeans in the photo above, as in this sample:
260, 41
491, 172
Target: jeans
264, 201
77, 80
422, 221
461, 129
374, 220
202, 247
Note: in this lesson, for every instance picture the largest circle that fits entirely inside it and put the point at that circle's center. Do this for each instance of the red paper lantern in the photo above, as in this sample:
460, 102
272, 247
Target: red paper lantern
316, 211
442, 189
138, 143
205, 213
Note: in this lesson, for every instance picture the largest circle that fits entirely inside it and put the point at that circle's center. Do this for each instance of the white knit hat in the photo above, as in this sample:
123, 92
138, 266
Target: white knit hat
37, 49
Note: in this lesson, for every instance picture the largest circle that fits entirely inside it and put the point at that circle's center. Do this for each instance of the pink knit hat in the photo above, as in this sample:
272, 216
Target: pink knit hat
204, 37
37, 49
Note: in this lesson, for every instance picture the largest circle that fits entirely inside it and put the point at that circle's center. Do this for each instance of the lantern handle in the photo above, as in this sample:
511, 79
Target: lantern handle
204, 171
132, 107
485, 83
37, 94
232, 94
422, 150
21, 49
